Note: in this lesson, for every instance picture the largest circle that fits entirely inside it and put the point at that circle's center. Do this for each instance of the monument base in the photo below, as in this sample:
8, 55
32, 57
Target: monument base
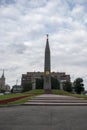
48, 91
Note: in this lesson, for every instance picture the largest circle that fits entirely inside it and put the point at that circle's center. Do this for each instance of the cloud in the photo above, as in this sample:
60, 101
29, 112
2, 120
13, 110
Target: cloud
6, 2
23, 26
17, 48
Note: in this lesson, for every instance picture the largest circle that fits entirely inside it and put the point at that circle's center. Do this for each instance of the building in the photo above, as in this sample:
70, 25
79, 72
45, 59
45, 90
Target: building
2, 82
31, 77
17, 89
3, 86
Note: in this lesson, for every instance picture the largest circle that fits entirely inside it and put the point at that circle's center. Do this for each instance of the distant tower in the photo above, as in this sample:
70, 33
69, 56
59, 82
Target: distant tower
47, 68
3, 74
2, 81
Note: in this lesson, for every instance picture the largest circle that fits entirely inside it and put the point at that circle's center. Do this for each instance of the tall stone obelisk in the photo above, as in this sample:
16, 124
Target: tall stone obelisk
47, 67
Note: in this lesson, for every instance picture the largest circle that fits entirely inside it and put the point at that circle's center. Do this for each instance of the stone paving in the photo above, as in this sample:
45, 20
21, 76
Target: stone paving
43, 118
56, 100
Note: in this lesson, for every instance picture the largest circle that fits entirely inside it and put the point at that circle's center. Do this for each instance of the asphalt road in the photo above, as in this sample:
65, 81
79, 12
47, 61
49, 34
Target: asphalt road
43, 118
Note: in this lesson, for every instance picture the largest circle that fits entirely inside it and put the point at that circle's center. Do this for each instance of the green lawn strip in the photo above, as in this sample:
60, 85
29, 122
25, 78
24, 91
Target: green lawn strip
37, 91
30, 94
3, 97
80, 96
18, 102
61, 92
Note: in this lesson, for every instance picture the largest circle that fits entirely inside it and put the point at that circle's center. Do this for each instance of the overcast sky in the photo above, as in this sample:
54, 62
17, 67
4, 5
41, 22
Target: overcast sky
23, 28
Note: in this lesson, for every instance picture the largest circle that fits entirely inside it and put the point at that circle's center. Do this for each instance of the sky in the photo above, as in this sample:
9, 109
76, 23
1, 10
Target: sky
23, 28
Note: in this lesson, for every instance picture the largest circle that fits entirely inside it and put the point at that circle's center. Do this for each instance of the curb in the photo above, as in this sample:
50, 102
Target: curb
59, 104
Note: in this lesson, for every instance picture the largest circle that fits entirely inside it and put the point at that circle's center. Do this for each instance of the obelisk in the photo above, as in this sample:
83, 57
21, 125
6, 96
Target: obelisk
47, 67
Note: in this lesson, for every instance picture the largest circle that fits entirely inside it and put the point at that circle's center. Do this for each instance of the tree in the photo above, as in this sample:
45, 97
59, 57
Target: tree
12, 90
27, 87
78, 85
55, 84
2, 90
67, 86
39, 83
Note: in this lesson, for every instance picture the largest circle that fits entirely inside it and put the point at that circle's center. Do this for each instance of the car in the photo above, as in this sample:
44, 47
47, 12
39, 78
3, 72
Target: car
1, 93
6, 92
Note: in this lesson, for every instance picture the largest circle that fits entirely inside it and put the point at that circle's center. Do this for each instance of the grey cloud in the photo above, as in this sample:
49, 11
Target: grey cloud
17, 48
6, 2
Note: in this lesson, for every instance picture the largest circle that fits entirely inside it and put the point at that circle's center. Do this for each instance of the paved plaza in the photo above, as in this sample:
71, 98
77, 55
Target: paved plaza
45, 117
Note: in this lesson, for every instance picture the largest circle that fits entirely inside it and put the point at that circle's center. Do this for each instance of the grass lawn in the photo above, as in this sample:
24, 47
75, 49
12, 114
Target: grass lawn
61, 92
37, 91
29, 95
2, 97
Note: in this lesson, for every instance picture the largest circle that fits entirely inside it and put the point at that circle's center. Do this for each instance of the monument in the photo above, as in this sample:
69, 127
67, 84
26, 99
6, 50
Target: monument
31, 77
47, 67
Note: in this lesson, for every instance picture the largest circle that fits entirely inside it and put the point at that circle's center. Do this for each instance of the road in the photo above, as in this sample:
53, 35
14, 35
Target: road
43, 118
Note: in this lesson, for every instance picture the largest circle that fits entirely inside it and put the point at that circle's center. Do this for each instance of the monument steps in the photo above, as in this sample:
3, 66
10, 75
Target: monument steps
59, 101
56, 100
